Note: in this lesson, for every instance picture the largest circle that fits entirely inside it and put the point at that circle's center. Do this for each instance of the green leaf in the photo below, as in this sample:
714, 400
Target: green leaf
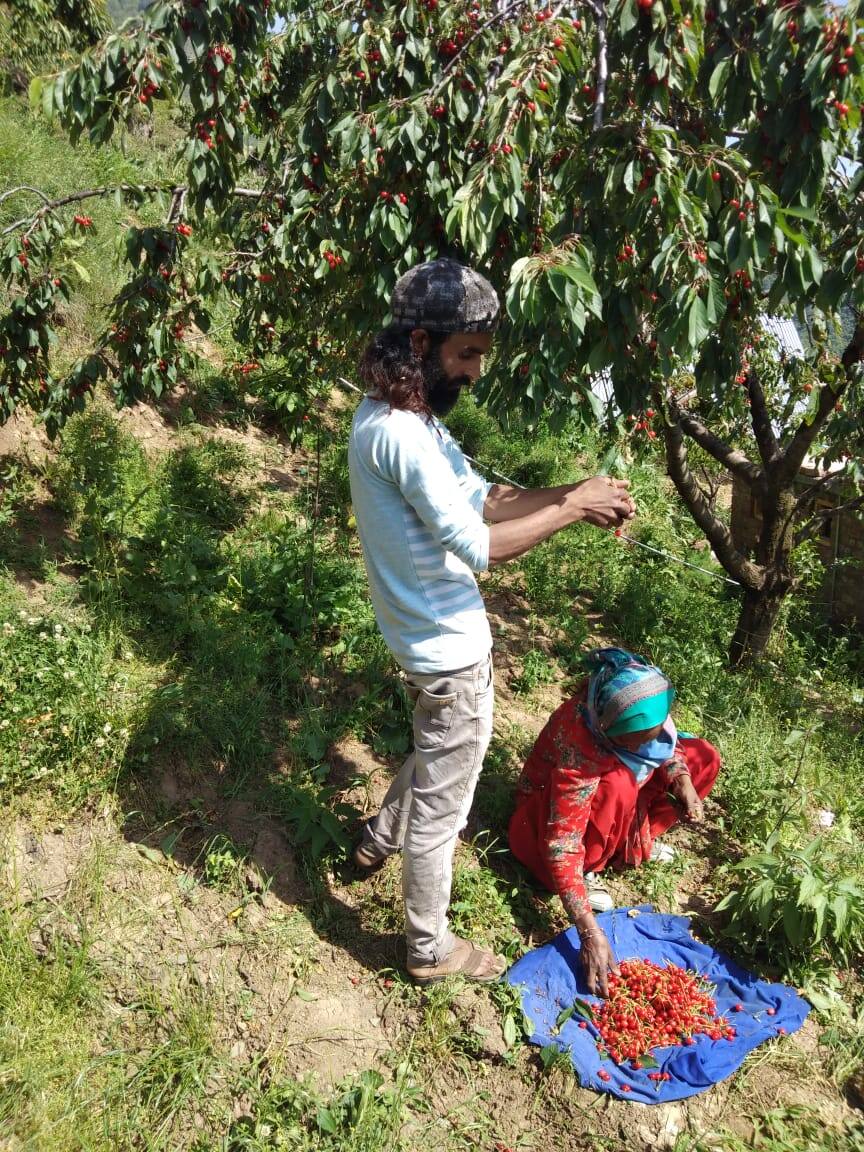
719, 77
583, 1008
793, 923
169, 842
81, 271
629, 17
697, 328
510, 1031
840, 912
563, 1016
800, 212
152, 854
326, 1121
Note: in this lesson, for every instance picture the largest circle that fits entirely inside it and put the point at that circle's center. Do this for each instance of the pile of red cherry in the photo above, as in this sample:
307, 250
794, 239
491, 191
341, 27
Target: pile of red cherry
654, 1006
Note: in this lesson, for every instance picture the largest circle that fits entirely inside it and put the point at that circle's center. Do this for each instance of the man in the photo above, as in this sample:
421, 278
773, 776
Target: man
421, 513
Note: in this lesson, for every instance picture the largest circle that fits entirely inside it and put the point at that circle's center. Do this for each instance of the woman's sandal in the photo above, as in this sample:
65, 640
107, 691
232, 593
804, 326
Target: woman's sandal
466, 959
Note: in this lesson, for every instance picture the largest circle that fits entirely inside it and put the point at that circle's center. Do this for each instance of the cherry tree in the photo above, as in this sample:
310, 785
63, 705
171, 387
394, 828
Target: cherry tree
642, 180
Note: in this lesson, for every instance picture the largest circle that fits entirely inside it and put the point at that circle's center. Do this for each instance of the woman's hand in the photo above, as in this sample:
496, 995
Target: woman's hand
689, 798
598, 960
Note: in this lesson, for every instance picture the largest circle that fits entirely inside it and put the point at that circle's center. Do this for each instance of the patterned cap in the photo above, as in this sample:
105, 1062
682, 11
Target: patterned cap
444, 296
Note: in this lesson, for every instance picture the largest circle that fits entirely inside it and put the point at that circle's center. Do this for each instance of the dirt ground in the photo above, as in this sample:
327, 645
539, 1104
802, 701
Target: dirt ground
330, 1009
305, 981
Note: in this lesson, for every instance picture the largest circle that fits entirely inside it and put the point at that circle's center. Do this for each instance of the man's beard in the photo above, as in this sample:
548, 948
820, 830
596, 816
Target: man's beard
442, 391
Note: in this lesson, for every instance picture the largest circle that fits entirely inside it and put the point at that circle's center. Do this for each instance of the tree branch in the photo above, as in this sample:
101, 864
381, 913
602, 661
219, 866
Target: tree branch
808, 531
760, 418
497, 17
718, 535
808, 495
796, 450
731, 458
23, 188
598, 7
97, 193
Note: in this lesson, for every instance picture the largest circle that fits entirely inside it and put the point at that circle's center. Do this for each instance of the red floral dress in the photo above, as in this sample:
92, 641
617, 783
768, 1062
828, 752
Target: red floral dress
578, 808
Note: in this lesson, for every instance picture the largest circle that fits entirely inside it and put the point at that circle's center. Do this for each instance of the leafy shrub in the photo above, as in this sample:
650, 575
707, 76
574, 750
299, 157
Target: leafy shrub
204, 480
102, 480
797, 901
314, 816
537, 668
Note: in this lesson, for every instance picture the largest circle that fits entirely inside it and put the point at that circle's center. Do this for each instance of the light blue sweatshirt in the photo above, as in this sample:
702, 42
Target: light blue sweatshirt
419, 511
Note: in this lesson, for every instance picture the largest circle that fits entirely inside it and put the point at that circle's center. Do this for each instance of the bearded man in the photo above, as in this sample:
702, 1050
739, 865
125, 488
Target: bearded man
427, 522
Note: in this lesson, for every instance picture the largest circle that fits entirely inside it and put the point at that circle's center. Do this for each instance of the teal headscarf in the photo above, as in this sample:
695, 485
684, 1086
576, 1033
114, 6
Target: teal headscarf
627, 694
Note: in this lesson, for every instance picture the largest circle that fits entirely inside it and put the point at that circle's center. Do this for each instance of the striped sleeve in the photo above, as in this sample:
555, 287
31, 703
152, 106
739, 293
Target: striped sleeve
475, 486
410, 458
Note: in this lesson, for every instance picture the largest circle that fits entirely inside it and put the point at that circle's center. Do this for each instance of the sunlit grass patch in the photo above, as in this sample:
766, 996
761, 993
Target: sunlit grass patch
70, 701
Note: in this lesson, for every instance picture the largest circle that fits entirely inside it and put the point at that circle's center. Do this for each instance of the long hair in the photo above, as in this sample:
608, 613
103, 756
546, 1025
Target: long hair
392, 370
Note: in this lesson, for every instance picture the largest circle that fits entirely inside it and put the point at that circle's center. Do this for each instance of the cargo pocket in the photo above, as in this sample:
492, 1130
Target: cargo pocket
433, 716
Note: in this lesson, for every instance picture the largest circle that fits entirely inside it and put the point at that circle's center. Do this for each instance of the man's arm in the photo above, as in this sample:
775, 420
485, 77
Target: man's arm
504, 502
523, 517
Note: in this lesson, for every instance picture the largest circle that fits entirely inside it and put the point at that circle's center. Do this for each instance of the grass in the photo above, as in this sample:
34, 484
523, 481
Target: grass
362, 1115
780, 1130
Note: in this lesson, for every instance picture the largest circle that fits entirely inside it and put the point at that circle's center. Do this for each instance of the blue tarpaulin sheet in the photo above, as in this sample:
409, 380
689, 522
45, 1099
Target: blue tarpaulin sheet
550, 977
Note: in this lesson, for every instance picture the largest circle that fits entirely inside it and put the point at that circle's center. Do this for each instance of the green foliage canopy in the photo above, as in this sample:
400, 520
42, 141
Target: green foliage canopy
36, 34
640, 180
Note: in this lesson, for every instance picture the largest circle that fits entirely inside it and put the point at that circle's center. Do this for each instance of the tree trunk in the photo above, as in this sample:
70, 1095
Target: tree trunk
756, 620
761, 606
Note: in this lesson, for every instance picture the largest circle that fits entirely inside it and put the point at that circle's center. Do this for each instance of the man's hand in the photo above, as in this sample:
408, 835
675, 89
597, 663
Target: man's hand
598, 960
603, 501
691, 802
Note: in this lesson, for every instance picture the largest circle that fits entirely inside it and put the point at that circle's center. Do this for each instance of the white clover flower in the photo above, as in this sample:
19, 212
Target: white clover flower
64, 728
107, 729
22, 615
58, 628
99, 742
67, 675
4, 723
128, 656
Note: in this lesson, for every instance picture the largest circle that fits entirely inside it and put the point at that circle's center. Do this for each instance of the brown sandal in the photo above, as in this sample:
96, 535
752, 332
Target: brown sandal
467, 960
364, 858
